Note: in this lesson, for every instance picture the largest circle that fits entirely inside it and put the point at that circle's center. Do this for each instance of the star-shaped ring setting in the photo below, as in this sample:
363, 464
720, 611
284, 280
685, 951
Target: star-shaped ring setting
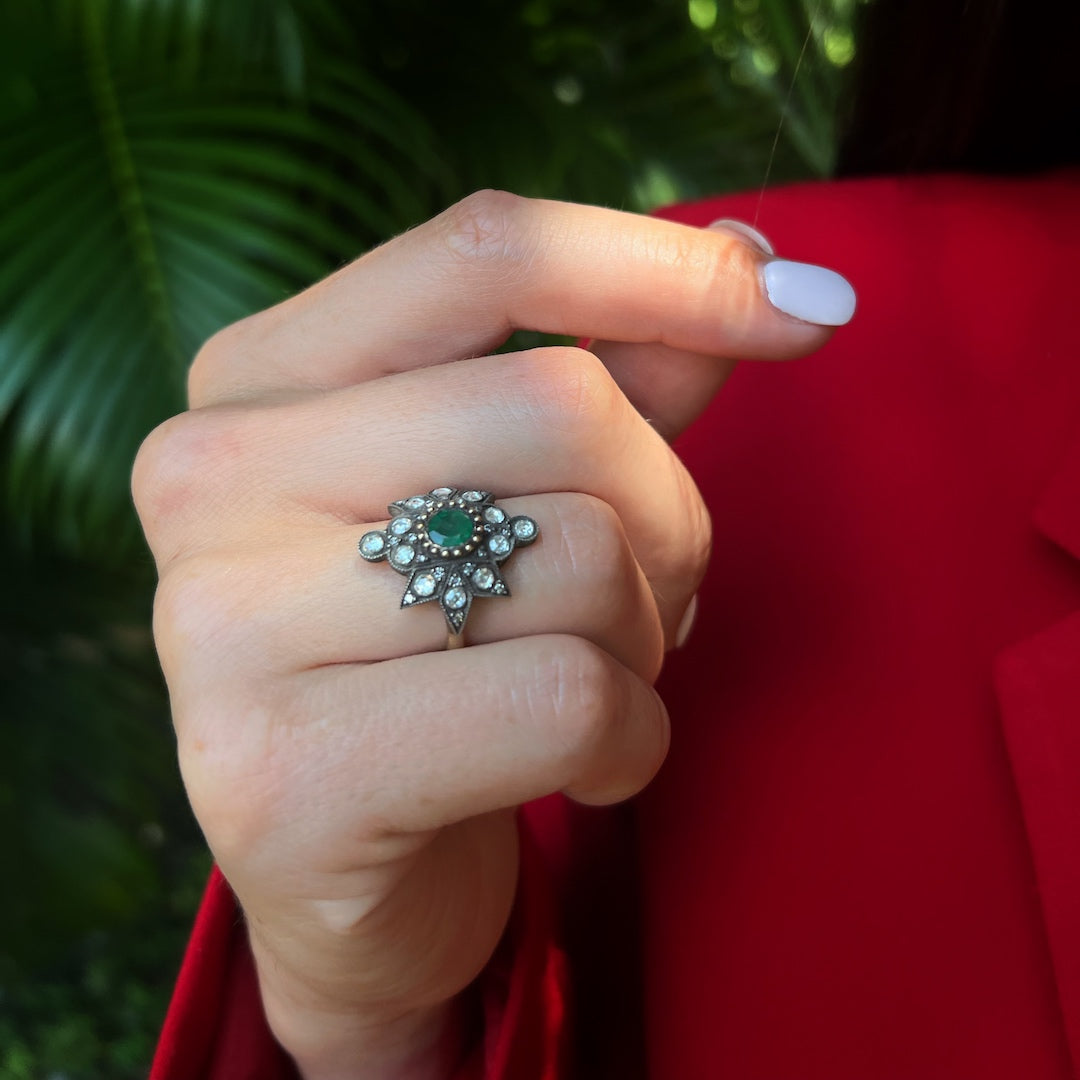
449, 543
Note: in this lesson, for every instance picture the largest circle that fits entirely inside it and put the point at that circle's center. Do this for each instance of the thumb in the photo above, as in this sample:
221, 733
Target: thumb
672, 387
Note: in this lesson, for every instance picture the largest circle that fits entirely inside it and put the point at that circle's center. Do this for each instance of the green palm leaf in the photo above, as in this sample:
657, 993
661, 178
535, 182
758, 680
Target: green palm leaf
150, 206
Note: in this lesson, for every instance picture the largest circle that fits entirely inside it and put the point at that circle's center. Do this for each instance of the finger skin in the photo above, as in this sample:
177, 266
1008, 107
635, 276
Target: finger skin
308, 600
494, 262
414, 744
549, 420
655, 378
340, 814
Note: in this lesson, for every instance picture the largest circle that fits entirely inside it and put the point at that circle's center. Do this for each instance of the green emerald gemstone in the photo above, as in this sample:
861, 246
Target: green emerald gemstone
450, 528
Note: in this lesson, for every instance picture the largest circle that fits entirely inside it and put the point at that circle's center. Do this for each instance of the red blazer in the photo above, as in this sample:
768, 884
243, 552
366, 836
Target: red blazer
862, 858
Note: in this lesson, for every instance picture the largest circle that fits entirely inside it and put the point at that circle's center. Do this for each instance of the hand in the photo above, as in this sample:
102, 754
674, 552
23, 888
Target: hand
356, 784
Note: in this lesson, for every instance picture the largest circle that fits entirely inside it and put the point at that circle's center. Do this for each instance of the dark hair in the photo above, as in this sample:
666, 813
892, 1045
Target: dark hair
978, 85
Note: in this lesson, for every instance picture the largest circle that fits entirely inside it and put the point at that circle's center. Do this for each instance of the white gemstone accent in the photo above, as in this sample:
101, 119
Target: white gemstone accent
455, 598
443, 493
415, 503
494, 515
524, 528
499, 544
472, 496
484, 578
372, 543
402, 555
400, 525
424, 584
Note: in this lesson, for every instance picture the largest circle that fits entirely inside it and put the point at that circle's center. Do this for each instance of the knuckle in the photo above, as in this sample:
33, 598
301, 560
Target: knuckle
234, 777
181, 465
202, 609
162, 470
567, 391
149, 464
487, 226
611, 741
216, 356
587, 701
597, 553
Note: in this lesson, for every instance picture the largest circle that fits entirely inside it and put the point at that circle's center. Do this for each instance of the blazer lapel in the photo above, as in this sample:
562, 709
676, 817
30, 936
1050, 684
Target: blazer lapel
1038, 686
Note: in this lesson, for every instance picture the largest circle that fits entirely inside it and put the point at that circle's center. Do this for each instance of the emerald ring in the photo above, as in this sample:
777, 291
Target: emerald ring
450, 544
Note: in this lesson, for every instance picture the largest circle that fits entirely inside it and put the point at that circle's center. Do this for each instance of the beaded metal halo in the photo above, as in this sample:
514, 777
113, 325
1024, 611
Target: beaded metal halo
449, 543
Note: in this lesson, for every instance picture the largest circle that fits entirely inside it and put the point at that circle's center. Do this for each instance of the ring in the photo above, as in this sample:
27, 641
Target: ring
449, 543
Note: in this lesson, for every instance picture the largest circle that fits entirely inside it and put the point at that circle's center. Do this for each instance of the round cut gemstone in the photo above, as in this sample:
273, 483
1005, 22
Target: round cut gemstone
484, 577
400, 525
450, 528
372, 543
524, 528
455, 598
402, 555
494, 515
499, 544
424, 584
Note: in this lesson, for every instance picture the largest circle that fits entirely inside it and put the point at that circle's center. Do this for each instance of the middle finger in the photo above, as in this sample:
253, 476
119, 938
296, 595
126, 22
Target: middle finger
547, 420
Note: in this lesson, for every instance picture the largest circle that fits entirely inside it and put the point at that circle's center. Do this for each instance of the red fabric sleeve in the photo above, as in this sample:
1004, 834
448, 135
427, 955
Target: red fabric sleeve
512, 1022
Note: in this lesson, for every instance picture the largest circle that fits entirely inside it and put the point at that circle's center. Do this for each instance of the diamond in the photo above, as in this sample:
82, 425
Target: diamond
443, 493
494, 515
400, 525
484, 577
499, 544
472, 496
372, 543
415, 503
424, 584
524, 528
450, 528
403, 554
455, 598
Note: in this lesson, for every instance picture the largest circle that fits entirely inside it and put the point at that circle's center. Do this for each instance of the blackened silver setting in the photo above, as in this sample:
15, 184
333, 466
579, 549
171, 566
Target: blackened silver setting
450, 544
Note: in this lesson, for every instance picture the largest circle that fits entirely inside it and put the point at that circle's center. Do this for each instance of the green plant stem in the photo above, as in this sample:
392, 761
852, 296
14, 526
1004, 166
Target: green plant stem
125, 178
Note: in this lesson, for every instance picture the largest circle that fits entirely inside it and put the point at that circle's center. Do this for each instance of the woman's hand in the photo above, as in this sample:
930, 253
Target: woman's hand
355, 783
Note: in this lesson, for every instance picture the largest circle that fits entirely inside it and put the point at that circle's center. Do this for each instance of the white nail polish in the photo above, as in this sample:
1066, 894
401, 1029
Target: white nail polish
687, 623
744, 232
809, 292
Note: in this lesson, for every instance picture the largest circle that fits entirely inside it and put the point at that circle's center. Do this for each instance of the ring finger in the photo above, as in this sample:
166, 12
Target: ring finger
310, 601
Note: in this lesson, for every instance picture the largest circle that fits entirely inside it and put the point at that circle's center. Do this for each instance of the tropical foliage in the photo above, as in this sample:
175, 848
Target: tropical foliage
169, 166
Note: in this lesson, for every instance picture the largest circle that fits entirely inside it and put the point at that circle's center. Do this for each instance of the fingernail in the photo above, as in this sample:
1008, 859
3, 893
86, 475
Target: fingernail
687, 623
743, 231
809, 292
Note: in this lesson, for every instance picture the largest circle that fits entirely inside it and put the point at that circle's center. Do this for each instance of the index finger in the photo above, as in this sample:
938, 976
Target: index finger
493, 263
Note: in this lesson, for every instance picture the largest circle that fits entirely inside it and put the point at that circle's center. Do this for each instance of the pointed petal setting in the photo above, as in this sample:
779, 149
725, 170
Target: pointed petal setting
450, 543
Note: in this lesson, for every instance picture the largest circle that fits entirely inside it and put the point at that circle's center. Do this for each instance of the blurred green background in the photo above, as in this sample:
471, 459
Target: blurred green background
169, 166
